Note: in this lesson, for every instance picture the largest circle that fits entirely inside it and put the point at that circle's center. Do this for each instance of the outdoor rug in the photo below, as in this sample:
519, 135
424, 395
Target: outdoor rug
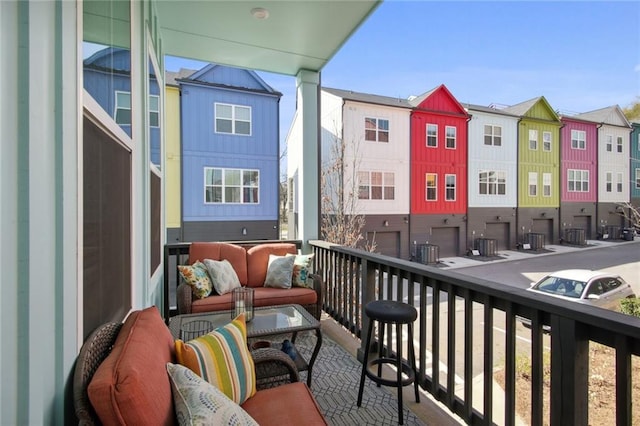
335, 381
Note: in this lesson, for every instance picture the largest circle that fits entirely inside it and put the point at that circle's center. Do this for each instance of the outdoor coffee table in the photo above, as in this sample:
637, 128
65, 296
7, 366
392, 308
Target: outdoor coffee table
268, 321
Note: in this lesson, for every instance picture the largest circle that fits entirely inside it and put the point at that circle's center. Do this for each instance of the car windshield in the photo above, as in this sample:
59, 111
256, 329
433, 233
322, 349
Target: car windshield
561, 286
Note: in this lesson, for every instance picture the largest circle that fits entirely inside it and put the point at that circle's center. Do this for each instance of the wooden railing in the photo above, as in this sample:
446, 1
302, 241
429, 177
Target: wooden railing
458, 351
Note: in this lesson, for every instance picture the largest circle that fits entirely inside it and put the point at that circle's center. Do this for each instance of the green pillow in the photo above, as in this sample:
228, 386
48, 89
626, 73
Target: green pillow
197, 277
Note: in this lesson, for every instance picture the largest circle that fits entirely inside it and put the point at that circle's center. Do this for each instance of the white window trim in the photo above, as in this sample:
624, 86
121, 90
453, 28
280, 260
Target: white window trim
492, 135
609, 143
619, 182
620, 145
579, 178
156, 111
580, 137
427, 135
446, 137
370, 185
377, 129
242, 187
426, 188
547, 183
495, 183
545, 141
446, 187
233, 119
116, 107
637, 178
608, 179
533, 137
533, 182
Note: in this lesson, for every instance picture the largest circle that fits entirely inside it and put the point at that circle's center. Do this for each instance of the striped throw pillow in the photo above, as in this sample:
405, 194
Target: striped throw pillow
222, 358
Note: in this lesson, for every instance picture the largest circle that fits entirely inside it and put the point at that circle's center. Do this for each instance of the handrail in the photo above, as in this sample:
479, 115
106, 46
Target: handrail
451, 305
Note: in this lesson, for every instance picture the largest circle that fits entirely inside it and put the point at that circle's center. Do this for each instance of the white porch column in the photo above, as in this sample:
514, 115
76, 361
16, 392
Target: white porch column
308, 187
39, 209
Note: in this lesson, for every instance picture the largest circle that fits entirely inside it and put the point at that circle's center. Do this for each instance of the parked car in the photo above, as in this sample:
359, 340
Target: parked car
596, 288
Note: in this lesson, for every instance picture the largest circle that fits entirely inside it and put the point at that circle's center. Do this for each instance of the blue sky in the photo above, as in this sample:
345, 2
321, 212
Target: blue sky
579, 55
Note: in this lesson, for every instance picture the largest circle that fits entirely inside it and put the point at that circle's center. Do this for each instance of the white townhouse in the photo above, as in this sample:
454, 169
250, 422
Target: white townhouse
614, 136
375, 133
493, 176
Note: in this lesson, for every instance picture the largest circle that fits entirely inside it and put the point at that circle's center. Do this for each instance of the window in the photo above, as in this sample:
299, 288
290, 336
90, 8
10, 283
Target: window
376, 186
533, 184
619, 182
376, 129
233, 119
578, 139
546, 184
492, 182
578, 180
637, 178
533, 139
432, 135
619, 144
231, 186
609, 181
432, 186
609, 142
450, 187
492, 135
450, 141
546, 141
154, 110
122, 113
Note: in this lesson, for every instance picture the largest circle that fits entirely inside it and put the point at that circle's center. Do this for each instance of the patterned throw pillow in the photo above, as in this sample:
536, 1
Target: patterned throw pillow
198, 402
223, 276
222, 358
301, 269
197, 277
279, 271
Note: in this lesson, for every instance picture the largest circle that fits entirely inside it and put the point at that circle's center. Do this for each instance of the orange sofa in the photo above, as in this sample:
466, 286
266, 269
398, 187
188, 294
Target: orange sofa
250, 264
131, 385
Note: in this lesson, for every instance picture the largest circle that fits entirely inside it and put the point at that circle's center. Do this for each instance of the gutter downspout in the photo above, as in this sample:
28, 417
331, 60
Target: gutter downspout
597, 182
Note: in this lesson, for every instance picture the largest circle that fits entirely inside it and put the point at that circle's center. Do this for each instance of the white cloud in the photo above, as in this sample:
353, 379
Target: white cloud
637, 68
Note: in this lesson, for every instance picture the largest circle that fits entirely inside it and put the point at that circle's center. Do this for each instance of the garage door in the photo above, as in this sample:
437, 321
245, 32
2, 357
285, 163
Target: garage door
545, 227
500, 233
387, 243
583, 222
447, 240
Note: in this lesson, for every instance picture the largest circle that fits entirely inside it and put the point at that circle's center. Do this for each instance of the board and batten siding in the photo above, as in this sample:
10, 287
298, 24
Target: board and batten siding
614, 162
635, 160
488, 157
202, 147
579, 159
439, 160
386, 157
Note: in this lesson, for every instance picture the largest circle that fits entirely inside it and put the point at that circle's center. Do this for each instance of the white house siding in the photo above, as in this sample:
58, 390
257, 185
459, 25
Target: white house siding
392, 156
614, 162
489, 157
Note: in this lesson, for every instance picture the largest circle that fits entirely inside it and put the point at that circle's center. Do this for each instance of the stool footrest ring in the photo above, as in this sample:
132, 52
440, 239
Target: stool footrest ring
406, 369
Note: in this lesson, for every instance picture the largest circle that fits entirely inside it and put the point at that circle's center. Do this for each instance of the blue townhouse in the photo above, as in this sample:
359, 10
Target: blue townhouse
229, 156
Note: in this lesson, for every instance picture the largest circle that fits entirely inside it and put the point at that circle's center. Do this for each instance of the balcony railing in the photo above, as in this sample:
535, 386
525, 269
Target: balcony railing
459, 319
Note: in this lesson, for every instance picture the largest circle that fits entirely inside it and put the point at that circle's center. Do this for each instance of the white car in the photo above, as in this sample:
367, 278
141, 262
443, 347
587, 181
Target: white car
595, 288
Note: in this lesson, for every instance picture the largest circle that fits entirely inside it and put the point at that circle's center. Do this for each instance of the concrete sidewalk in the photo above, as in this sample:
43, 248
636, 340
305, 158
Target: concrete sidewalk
509, 255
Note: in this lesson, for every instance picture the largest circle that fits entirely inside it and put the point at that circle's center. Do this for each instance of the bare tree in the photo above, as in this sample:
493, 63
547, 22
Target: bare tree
342, 221
630, 213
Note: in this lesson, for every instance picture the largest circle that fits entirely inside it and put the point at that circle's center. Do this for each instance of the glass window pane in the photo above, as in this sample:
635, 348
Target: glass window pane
232, 177
376, 178
250, 177
223, 111
389, 193
250, 195
243, 128
383, 136
376, 193
223, 126
243, 113
232, 195
370, 135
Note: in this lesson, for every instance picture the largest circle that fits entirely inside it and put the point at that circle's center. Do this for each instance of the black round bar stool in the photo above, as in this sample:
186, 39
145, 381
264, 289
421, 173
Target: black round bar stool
390, 312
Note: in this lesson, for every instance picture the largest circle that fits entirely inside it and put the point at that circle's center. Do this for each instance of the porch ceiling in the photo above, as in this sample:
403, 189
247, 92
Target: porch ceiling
302, 34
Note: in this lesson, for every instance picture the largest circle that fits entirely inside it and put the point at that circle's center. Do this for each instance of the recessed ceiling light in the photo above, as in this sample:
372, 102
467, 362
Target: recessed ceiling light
260, 13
